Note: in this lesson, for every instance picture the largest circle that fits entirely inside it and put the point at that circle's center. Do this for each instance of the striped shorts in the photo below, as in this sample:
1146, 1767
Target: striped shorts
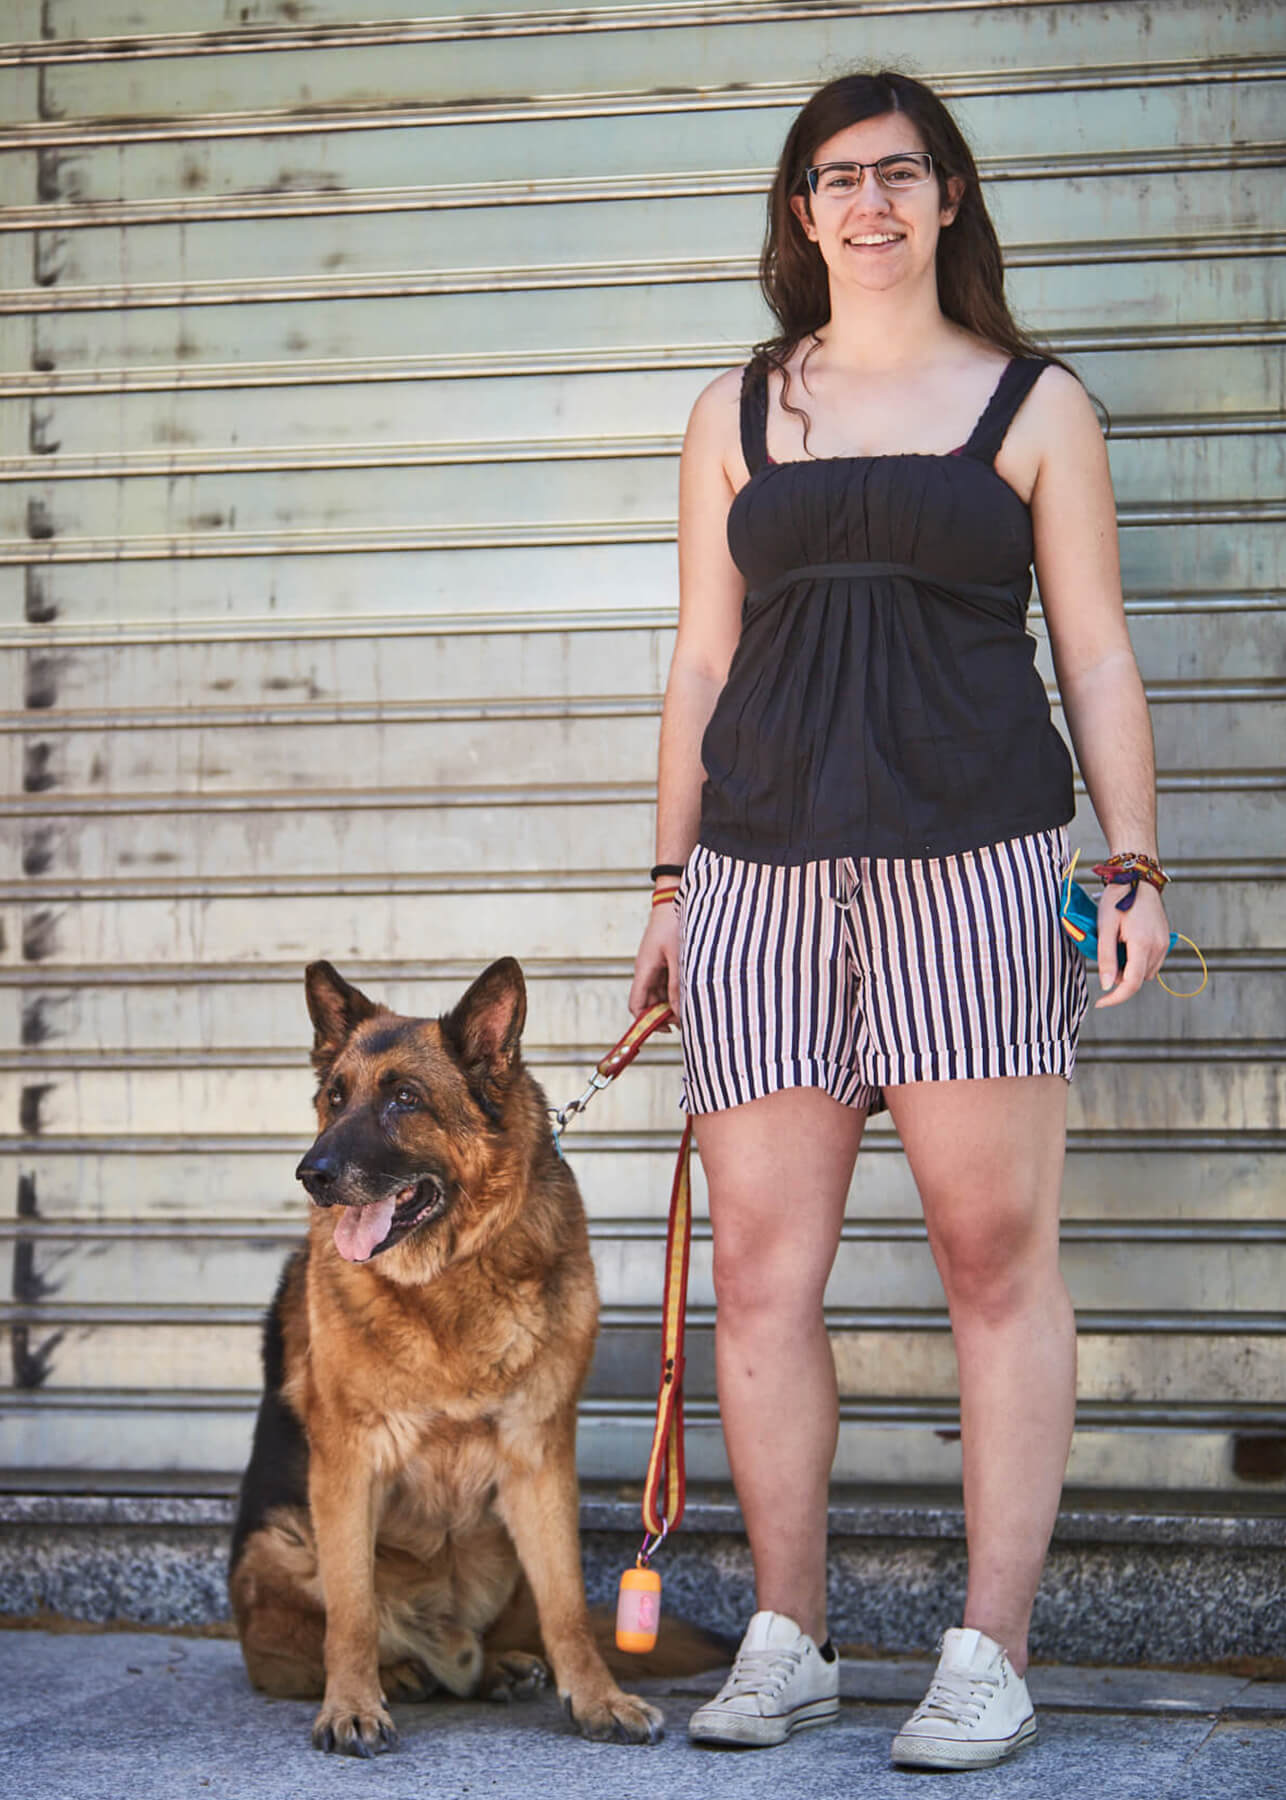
857, 974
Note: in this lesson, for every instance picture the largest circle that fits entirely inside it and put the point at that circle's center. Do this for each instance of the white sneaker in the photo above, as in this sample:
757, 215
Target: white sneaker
780, 1681
976, 1712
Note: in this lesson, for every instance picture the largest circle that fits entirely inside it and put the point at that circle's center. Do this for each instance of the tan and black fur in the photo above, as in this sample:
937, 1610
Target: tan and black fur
412, 1487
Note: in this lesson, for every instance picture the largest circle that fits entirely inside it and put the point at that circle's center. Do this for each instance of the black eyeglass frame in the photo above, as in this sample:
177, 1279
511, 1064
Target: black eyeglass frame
922, 156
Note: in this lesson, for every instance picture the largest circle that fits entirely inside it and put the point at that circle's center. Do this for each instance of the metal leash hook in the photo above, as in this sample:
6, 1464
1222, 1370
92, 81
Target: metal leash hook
652, 1541
619, 1057
563, 1115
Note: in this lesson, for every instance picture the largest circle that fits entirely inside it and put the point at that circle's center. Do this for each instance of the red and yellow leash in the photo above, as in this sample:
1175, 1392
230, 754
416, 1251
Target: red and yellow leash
639, 1607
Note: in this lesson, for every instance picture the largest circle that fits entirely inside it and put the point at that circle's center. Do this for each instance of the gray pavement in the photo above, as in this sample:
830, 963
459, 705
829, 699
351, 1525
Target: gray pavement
143, 1716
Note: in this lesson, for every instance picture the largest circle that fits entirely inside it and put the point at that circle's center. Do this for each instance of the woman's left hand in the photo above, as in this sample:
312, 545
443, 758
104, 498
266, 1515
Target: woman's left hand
1143, 931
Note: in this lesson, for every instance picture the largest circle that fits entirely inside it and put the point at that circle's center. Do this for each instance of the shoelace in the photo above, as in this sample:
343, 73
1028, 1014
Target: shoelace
958, 1695
760, 1672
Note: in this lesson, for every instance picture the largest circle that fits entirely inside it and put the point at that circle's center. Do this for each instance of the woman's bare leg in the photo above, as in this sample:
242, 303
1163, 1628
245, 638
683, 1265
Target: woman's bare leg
987, 1157
778, 1171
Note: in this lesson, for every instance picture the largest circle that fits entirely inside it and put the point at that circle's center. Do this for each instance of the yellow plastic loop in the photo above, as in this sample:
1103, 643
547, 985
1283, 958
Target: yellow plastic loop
1191, 993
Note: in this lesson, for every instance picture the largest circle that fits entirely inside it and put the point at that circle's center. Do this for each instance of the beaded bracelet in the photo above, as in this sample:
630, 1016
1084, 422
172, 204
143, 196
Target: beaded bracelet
1127, 869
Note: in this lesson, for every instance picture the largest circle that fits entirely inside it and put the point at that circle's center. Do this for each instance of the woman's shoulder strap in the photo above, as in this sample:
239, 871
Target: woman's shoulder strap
1017, 381
754, 415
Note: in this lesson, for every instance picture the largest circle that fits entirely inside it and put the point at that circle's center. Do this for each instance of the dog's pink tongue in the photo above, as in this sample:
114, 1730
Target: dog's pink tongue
359, 1229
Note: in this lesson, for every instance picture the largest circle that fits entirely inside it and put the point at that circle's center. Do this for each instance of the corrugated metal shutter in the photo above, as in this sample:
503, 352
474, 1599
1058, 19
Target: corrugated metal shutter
345, 366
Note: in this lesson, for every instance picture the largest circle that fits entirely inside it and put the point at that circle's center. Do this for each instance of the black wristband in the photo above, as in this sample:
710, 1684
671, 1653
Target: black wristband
665, 869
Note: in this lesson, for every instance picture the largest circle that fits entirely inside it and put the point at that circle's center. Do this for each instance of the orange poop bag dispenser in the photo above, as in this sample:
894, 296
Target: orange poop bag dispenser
638, 1610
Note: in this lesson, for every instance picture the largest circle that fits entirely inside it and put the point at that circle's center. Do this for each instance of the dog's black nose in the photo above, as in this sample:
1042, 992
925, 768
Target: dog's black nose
318, 1174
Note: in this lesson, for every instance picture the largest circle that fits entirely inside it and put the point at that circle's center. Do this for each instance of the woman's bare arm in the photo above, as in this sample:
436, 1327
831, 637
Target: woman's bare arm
711, 591
1078, 568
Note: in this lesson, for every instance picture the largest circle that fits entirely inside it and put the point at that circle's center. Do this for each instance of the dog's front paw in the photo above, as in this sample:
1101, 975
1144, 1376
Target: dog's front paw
616, 1715
512, 1675
345, 1727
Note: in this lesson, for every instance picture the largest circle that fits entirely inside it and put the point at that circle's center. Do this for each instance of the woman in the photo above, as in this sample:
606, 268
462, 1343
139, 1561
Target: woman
868, 913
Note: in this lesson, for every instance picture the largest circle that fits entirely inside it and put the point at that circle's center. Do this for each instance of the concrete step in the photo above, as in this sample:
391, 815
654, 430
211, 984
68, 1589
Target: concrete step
1128, 1581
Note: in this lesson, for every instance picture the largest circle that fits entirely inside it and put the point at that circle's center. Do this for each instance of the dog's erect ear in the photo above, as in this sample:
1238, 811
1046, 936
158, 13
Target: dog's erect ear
485, 1029
336, 1010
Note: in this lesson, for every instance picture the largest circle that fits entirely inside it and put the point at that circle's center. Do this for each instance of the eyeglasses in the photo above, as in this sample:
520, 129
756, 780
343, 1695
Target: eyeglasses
840, 180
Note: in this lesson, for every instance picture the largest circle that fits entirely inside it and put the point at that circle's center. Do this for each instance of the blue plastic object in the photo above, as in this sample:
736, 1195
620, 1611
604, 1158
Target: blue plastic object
1079, 917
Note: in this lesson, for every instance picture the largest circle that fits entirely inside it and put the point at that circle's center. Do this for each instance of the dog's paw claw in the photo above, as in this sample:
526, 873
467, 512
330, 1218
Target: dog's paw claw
623, 1717
344, 1731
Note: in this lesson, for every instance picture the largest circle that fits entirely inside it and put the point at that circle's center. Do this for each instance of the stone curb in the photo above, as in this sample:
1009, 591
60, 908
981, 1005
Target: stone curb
1080, 1521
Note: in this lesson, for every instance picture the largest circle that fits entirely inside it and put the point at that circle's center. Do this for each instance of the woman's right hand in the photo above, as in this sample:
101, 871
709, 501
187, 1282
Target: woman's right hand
656, 967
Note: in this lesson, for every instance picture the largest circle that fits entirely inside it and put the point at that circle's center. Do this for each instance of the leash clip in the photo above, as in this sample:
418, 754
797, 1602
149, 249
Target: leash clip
563, 1115
652, 1541
619, 1057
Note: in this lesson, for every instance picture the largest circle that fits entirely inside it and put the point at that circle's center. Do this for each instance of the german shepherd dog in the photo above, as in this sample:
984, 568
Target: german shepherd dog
412, 1485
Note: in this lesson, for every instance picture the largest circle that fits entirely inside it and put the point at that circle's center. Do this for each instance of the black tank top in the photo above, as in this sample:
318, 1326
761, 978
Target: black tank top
883, 698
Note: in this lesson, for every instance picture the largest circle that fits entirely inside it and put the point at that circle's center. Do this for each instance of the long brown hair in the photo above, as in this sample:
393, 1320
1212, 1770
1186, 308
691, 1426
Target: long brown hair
971, 272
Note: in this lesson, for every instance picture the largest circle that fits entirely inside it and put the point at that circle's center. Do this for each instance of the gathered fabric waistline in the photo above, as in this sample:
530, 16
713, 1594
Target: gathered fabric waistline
966, 590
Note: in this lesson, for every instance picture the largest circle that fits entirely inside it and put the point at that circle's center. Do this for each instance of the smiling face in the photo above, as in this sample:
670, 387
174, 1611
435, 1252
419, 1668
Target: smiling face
871, 235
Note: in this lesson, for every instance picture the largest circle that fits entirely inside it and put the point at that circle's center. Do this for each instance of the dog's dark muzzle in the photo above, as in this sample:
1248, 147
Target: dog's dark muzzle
370, 1222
